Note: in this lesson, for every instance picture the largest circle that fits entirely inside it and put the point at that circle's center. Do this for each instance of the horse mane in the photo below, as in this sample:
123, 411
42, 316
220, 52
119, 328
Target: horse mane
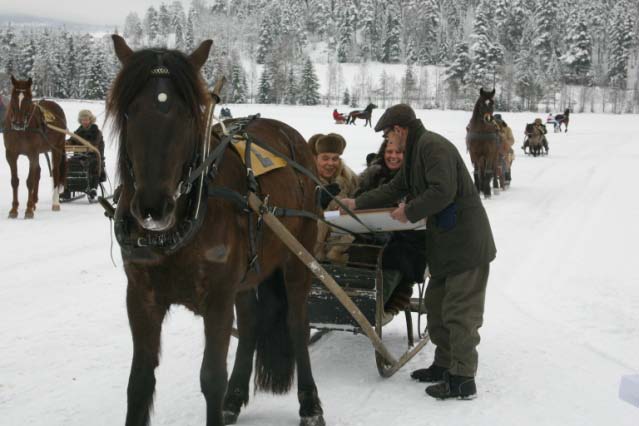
134, 75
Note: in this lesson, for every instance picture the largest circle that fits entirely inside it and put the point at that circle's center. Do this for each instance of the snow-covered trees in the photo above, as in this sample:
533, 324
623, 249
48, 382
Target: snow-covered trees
621, 39
578, 57
309, 85
530, 49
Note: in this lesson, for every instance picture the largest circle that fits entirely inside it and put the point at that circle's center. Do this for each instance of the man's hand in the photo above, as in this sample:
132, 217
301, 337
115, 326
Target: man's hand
399, 213
348, 202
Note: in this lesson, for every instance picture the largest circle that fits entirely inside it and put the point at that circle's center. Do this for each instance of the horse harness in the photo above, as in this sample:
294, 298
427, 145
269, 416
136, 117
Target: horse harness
196, 185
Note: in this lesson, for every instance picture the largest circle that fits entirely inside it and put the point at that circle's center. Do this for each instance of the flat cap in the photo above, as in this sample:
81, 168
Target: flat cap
397, 115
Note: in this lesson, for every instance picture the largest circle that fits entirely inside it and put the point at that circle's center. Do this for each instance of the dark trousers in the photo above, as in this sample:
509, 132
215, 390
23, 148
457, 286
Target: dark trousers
455, 311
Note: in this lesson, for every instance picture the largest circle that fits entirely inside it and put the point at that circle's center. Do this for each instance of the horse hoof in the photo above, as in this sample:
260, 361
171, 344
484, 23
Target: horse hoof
313, 421
230, 417
13, 214
28, 214
55, 207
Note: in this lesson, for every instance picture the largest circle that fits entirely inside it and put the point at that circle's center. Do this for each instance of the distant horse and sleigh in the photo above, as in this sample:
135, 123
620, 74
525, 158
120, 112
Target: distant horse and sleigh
26, 132
491, 156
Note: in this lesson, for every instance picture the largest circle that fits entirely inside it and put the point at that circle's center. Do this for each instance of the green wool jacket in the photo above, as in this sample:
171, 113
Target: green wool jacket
434, 176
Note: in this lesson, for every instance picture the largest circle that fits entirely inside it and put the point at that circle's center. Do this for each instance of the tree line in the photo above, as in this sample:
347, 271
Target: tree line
534, 52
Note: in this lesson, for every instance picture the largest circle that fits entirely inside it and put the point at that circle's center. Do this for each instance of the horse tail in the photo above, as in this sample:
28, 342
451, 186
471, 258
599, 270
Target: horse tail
275, 358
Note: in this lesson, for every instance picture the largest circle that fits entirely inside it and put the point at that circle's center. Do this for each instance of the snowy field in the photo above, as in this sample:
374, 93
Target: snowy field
562, 312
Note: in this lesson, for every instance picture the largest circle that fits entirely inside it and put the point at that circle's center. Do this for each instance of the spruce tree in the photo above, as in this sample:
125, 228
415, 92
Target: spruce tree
346, 99
620, 44
291, 91
392, 50
264, 91
309, 85
97, 85
578, 59
409, 86
265, 41
151, 25
238, 85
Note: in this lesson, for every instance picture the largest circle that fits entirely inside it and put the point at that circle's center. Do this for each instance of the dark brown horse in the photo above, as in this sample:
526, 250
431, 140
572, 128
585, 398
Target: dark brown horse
26, 133
181, 246
362, 114
482, 142
562, 119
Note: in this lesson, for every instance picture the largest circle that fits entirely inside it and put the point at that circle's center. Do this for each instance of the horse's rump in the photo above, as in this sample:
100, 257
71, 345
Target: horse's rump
53, 113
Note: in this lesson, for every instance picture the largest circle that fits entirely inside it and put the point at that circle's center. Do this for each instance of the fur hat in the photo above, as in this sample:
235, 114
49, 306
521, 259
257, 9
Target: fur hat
332, 143
397, 115
538, 121
85, 113
313, 140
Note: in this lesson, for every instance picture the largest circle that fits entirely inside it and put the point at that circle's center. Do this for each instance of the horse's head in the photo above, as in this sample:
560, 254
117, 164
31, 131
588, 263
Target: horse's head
21, 103
485, 105
156, 103
371, 107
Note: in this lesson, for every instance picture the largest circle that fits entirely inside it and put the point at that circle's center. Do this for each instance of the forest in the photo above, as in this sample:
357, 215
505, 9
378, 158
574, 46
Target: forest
539, 55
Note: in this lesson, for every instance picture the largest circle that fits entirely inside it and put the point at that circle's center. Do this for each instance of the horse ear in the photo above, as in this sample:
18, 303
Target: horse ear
13, 80
201, 54
481, 91
491, 93
30, 81
122, 50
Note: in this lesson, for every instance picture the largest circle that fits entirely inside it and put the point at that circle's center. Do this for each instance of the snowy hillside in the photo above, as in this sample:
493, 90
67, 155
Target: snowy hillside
561, 324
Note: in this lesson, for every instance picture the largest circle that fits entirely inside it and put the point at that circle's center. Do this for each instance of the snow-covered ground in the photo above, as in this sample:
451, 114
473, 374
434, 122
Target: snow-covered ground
561, 323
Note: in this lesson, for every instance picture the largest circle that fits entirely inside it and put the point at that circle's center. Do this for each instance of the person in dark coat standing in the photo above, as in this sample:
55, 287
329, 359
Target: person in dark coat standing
459, 245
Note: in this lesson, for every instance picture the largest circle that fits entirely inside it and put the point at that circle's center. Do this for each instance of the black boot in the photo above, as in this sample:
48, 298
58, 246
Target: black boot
432, 374
459, 387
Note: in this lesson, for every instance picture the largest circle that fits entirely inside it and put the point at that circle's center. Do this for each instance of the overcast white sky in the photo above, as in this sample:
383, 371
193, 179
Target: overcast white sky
107, 12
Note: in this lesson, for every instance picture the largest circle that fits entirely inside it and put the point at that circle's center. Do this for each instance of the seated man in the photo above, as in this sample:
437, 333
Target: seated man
338, 117
542, 128
332, 172
89, 130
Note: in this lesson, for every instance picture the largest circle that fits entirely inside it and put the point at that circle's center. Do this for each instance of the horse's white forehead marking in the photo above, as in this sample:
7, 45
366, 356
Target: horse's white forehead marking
487, 102
162, 97
20, 98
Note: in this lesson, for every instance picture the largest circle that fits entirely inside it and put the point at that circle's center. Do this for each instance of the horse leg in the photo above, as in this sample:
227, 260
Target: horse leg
237, 393
145, 321
218, 322
298, 281
32, 185
477, 178
59, 165
36, 186
12, 159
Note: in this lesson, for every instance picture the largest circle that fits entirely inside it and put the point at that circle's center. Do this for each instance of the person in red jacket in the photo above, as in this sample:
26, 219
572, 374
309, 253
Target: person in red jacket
338, 117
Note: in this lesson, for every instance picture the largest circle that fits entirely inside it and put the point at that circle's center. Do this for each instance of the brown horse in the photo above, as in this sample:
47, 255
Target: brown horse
482, 142
364, 114
208, 253
26, 133
535, 139
562, 119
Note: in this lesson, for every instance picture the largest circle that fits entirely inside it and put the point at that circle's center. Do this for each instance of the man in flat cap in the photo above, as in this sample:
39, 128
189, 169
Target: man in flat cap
459, 245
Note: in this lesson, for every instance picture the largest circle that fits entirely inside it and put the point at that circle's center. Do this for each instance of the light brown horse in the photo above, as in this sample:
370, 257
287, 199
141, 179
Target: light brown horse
26, 133
482, 142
